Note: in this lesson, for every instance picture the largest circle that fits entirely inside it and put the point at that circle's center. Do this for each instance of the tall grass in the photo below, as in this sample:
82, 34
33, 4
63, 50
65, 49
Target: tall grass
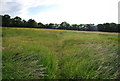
49, 54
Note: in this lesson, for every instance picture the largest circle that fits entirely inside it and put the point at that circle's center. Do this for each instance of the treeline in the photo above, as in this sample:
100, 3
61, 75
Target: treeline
7, 21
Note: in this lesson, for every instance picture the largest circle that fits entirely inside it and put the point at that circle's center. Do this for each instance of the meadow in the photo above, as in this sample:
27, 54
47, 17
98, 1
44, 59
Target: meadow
29, 53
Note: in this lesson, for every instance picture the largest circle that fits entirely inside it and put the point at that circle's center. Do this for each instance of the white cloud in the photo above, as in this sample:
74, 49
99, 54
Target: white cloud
72, 11
22, 8
82, 11
12, 8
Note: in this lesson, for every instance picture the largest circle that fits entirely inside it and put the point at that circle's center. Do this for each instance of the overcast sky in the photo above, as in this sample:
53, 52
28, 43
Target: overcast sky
57, 11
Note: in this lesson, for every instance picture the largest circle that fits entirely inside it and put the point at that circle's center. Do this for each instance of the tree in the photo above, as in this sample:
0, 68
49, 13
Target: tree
24, 23
0, 20
31, 23
82, 27
108, 27
41, 25
17, 21
89, 27
56, 26
100, 27
6, 20
51, 25
118, 28
64, 25
74, 27
113, 27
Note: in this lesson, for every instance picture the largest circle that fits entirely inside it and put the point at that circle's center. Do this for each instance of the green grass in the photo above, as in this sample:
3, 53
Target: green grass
58, 54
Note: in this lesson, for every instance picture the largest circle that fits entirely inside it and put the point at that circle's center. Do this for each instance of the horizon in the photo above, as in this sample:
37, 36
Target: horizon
59, 23
73, 12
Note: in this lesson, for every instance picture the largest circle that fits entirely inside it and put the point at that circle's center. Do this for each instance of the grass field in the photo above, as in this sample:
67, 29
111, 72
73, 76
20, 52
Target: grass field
59, 54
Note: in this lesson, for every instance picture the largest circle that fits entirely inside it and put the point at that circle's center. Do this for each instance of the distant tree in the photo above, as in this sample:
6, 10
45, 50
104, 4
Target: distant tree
113, 27
89, 27
108, 27
100, 27
12, 22
82, 27
17, 21
6, 20
41, 25
56, 26
0, 20
64, 25
0, 16
46, 26
51, 25
118, 28
31, 23
24, 23
74, 27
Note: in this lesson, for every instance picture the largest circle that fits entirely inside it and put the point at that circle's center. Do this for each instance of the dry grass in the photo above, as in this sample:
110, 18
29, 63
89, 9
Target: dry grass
59, 54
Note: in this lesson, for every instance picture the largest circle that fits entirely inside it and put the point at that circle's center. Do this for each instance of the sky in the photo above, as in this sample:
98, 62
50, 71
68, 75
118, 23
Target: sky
57, 11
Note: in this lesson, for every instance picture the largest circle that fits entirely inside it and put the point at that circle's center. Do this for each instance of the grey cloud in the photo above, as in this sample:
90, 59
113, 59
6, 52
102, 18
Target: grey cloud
12, 8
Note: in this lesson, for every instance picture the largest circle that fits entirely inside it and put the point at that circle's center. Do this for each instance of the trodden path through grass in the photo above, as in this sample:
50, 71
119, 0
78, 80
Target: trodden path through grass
59, 54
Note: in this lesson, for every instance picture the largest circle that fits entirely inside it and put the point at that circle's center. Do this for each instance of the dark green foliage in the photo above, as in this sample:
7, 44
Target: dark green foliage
32, 23
41, 25
24, 23
7, 21
49, 26
64, 25
17, 21
108, 27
